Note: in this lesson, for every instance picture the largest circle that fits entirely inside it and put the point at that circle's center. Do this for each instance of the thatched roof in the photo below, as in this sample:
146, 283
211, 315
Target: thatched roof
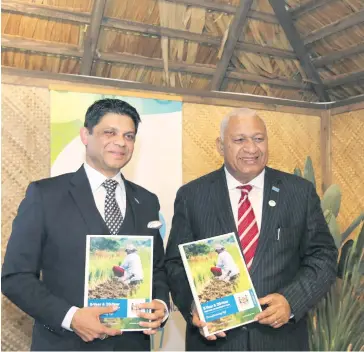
311, 50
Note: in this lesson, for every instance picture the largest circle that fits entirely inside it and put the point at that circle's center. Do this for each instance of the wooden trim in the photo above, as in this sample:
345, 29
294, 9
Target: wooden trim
92, 37
111, 91
209, 70
347, 108
35, 78
325, 141
296, 43
350, 104
235, 28
124, 25
338, 26
337, 55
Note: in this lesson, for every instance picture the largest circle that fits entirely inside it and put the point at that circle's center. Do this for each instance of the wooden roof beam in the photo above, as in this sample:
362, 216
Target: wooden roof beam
92, 37
125, 25
235, 29
344, 79
338, 26
228, 9
307, 7
294, 39
337, 55
208, 70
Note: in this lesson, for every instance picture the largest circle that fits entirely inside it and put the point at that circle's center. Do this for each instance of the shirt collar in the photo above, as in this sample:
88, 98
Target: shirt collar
232, 182
96, 178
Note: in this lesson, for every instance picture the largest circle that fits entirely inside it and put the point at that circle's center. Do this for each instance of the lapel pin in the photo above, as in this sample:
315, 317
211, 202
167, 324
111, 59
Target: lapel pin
136, 200
272, 203
275, 189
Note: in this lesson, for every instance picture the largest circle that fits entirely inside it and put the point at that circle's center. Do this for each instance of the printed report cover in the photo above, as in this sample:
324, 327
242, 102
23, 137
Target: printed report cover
119, 272
220, 282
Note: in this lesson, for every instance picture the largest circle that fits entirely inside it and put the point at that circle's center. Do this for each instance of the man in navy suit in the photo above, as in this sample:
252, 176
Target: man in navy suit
49, 237
293, 263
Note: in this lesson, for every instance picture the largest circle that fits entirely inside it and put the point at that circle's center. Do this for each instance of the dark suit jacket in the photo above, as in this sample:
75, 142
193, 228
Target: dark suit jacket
301, 265
49, 235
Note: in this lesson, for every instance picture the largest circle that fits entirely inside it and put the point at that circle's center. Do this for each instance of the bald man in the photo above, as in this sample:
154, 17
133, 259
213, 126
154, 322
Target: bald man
278, 221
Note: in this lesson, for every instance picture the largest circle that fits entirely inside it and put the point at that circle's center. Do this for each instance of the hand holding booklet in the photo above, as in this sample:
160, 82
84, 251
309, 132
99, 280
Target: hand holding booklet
221, 286
119, 272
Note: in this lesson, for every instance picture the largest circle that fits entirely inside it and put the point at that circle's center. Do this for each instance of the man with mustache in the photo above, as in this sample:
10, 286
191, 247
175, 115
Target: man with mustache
277, 218
49, 237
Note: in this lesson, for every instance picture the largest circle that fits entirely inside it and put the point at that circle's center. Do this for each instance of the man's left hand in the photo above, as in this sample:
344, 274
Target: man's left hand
156, 316
277, 313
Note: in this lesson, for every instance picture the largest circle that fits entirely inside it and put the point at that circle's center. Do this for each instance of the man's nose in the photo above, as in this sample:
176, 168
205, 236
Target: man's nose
250, 145
119, 140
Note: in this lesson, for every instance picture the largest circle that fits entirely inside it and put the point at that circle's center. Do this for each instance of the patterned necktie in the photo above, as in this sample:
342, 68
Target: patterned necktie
247, 226
113, 216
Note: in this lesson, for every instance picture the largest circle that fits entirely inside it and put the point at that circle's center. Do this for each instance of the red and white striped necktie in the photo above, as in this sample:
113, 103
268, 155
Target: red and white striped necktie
247, 226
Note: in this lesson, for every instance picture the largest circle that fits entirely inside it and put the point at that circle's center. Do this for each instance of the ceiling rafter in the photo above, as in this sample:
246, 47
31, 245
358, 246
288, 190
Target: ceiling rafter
228, 9
308, 7
124, 25
92, 37
9, 42
335, 27
235, 29
337, 55
343, 79
294, 39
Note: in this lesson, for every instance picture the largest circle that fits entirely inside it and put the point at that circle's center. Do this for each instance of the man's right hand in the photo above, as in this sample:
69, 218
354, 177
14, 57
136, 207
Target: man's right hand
86, 323
200, 324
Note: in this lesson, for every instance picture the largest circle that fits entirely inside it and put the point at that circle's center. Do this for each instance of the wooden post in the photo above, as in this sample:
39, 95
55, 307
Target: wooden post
325, 141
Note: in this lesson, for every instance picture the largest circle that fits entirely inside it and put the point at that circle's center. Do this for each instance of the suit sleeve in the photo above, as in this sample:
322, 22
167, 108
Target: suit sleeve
160, 286
318, 261
22, 264
181, 232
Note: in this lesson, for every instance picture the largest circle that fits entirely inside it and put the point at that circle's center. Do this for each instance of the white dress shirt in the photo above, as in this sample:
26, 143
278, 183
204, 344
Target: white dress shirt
96, 180
255, 195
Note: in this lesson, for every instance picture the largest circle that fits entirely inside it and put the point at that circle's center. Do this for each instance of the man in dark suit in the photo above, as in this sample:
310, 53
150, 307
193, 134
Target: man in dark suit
286, 243
49, 237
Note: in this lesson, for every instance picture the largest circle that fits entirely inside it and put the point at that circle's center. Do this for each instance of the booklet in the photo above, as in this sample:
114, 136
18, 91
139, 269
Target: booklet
220, 283
119, 272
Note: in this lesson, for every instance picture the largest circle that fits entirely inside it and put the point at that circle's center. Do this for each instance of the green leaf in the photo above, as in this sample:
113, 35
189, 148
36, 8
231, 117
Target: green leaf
297, 171
334, 229
308, 172
332, 199
352, 227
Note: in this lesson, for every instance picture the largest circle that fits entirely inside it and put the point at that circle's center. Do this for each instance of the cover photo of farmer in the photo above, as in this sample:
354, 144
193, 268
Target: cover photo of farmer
119, 270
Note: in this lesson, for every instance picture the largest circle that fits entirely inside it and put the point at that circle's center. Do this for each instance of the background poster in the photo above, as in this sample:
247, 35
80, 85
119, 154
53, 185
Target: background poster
156, 163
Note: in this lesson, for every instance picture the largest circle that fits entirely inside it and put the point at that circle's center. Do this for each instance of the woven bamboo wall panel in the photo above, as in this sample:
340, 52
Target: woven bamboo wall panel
348, 164
25, 157
292, 138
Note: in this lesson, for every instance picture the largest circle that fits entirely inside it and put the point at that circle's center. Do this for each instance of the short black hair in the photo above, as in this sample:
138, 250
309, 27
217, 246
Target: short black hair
104, 106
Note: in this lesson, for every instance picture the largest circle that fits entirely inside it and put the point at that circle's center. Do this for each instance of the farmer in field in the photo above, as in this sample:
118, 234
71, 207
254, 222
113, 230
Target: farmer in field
225, 269
130, 272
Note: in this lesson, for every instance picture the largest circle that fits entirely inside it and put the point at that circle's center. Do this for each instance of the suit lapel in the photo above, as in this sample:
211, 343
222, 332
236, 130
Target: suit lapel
221, 201
269, 215
131, 204
82, 194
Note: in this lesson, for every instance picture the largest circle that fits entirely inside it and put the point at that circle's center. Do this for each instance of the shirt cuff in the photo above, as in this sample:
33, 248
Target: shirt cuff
166, 311
66, 323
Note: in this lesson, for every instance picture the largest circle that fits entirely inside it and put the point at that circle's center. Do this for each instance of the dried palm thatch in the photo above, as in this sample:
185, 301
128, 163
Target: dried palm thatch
186, 41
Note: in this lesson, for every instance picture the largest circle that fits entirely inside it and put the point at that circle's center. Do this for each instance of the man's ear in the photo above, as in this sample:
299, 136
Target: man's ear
84, 135
220, 146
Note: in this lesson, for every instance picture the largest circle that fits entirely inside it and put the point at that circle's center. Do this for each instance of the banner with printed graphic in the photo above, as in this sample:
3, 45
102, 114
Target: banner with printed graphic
156, 163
